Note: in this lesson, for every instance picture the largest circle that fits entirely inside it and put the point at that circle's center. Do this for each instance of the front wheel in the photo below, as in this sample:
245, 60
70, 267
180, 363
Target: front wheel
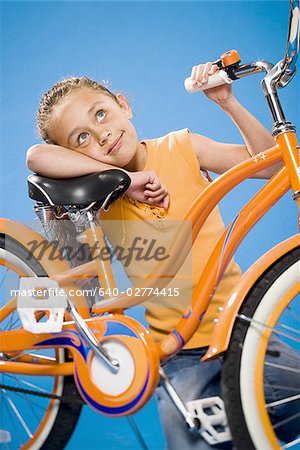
35, 412
261, 372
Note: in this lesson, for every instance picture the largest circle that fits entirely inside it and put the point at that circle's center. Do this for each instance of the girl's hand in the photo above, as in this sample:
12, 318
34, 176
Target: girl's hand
220, 94
147, 188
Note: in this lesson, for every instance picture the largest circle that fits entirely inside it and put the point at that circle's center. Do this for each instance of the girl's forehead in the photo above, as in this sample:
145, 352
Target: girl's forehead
86, 95
80, 100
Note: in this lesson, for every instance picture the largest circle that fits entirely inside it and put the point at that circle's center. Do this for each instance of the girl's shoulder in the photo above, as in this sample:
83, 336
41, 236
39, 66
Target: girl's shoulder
175, 152
171, 140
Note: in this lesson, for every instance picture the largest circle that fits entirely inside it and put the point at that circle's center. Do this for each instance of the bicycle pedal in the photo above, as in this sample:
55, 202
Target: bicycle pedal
5, 437
41, 294
212, 417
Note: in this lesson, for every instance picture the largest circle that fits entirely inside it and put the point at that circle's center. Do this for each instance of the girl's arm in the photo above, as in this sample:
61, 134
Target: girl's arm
53, 161
219, 157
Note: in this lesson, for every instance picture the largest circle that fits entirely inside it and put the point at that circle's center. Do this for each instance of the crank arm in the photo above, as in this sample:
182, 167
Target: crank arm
90, 338
191, 423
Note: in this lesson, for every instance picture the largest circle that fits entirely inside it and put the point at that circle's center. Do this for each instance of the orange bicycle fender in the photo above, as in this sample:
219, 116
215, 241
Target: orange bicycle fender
26, 236
227, 313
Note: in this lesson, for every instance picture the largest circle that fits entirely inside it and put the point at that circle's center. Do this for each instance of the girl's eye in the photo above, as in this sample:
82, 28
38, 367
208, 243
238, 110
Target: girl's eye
100, 115
82, 138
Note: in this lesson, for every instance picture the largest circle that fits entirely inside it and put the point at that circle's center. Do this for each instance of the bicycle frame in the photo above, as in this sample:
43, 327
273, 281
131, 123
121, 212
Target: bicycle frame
286, 149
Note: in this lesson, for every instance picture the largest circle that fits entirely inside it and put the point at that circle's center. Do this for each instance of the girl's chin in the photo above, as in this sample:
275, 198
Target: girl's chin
129, 165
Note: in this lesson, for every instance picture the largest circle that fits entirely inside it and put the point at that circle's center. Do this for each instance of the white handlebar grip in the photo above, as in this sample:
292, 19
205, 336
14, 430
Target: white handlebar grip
217, 79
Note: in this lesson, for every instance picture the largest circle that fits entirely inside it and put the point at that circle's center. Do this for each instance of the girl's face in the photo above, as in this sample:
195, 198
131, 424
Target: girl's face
93, 123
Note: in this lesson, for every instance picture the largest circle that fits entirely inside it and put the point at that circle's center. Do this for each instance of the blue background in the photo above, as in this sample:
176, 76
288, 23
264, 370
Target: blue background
145, 50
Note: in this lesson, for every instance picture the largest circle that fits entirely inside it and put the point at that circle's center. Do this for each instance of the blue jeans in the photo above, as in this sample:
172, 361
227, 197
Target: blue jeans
193, 380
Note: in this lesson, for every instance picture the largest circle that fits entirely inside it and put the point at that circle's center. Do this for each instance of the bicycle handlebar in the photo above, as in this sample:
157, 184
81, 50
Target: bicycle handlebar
277, 76
293, 40
228, 74
217, 79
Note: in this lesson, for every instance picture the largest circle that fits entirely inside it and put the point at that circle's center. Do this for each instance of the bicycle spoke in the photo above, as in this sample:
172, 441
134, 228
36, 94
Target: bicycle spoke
17, 413
280, 366
291, 444
41, 358
19, 395
283, 388
263, 325
16, 320
9, 322
12, 421
3, 277
28, 402
286, 327
285, 421
283, 401
27, 383
44, 358
291, 355
26, 397
1, 284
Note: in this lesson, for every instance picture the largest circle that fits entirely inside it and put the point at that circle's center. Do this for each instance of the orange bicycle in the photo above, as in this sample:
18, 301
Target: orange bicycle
54, 345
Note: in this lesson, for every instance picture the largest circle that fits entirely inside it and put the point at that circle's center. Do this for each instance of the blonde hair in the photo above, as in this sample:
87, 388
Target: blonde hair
56, 94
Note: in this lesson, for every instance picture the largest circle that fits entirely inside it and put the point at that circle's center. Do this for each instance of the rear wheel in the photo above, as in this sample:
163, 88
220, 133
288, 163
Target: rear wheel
35, 412
261, 372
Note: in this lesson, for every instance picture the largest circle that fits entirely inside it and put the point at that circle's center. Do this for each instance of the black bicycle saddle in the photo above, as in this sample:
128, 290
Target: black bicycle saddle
79, 191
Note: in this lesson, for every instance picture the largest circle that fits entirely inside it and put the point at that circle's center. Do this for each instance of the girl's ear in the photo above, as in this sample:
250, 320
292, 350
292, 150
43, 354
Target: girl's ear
124, 104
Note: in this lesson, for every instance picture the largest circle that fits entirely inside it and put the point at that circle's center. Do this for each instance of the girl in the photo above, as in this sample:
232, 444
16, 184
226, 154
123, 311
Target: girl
88, 129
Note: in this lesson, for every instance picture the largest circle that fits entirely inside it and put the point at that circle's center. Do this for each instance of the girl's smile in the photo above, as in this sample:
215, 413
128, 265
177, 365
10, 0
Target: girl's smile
93, 123
113, 149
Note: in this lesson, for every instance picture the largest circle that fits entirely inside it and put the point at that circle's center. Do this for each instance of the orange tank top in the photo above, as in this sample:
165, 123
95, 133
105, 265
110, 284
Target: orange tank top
177, 167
